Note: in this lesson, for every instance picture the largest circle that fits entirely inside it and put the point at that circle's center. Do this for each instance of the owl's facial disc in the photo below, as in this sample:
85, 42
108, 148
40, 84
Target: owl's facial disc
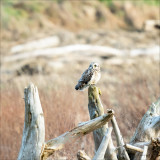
94, 65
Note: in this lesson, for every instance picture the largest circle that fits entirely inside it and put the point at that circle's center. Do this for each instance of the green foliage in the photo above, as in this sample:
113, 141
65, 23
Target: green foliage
148, 2
107, 2
19, 10
152, 2
11, 12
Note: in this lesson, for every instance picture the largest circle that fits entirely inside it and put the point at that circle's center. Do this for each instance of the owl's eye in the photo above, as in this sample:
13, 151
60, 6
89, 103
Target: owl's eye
95, 65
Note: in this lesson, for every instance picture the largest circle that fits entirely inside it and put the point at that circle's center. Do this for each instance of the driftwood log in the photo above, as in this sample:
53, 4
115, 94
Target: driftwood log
148, 133
96, 109
38, 48
133, 148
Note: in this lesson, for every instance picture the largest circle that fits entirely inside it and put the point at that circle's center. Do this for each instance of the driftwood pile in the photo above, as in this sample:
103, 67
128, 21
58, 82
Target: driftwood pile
144, 145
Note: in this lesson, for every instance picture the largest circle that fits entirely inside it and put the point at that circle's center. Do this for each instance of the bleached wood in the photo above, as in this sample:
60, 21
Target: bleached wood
42, 43
142, 144
144, 153
96, 109
63, 50
103, 146
34, 129
81, 155
57, 143
33, 50
122, 153
148, 128
133, 148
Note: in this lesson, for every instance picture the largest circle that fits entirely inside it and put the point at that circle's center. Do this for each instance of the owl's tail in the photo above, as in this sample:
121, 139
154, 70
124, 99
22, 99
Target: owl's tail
80, 86
76, 87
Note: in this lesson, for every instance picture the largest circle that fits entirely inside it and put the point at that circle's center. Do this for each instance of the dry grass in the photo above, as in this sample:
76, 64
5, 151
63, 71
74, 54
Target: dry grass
60, 115
128, 89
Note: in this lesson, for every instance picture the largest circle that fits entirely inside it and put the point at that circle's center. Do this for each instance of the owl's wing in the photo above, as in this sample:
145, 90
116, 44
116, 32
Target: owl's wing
86, 76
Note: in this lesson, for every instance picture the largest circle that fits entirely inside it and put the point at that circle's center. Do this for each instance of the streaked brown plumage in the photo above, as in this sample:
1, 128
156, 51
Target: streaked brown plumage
89, 77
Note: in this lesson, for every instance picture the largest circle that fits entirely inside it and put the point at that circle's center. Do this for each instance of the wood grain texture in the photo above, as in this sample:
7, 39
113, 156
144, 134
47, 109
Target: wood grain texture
34, 129
103, 146
148, 130
96, 109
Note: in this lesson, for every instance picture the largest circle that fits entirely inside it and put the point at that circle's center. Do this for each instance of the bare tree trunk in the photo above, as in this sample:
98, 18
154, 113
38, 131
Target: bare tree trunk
34, 129
95, 110
147, 130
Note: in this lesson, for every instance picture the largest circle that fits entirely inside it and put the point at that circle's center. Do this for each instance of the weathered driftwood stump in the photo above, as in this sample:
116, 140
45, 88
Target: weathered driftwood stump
148, 133
95, 110
34, 129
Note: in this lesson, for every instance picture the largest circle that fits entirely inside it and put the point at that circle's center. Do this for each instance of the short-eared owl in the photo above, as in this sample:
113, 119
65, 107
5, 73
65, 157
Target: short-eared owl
89, 77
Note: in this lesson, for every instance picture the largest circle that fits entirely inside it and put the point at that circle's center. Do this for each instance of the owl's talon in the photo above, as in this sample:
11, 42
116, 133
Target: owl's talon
100, 92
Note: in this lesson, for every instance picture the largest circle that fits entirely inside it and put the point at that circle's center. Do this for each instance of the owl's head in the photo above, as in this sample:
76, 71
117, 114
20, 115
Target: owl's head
95, 66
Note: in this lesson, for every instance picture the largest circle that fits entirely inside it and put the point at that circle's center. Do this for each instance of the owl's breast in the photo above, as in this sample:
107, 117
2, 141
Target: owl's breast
95, 77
